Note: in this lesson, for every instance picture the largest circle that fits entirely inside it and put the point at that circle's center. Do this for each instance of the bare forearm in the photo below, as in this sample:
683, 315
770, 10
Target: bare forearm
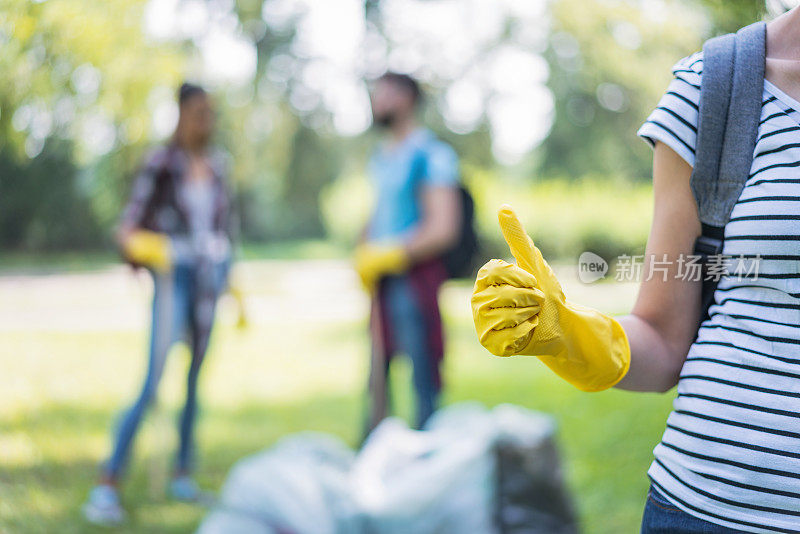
440, 225
660, 330
429, 242
122, 234
655, 362
663, 323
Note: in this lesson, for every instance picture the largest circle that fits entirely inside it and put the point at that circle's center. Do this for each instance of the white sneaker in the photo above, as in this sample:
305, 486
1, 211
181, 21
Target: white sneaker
184, 488
103, 506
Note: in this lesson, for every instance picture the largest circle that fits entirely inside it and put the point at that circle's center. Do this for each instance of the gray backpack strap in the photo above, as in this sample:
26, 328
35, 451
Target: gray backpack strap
731, 92
730, 109
715, 95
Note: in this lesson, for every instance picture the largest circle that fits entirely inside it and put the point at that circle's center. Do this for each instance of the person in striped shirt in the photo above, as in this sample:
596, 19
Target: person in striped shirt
729, 459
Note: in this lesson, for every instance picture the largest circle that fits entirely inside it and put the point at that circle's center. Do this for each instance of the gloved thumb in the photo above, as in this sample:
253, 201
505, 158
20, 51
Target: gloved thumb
521, 246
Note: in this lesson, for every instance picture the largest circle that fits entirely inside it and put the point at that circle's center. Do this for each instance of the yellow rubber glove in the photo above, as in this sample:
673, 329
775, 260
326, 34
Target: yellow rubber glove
151, 249
522, 310
373, 261
235, 291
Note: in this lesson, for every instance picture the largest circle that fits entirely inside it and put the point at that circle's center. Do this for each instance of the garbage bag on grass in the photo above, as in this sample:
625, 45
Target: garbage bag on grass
425, 482
299, 486
471, 470
530, 494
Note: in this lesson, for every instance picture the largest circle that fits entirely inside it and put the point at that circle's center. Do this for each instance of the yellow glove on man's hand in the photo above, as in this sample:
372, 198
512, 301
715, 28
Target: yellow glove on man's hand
522, 310
373, 261
148, 248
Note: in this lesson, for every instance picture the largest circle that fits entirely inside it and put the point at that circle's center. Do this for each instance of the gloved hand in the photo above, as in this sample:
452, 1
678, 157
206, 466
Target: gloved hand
522, 310
235, 291
373, 261
151, 249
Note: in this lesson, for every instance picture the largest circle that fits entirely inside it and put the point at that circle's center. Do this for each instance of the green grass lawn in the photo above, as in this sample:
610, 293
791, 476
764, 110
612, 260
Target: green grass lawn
61, 389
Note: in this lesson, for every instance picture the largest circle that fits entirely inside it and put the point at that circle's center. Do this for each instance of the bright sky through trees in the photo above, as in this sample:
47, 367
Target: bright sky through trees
448, 43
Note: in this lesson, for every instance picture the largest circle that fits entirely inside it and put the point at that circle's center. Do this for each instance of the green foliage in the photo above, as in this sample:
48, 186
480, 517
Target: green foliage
610, 63
313, 165
564, 217
346, 206
81, 81
730, 15
41, 203
77, 79
568, 217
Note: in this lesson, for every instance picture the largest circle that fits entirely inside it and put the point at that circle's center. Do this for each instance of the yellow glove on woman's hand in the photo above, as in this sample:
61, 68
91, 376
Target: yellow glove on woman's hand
235, 291
522, 310
373, 261
150, 249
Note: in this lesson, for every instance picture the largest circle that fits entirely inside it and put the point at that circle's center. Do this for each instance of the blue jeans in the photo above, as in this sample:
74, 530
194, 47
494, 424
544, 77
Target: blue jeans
663, 517
411, 337
174, 300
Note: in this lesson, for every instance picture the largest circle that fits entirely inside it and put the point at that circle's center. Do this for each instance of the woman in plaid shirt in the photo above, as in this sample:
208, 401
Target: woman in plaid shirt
177, 225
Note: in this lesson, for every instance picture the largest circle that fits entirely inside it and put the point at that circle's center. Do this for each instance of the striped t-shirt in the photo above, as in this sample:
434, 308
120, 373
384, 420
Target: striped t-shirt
731, 452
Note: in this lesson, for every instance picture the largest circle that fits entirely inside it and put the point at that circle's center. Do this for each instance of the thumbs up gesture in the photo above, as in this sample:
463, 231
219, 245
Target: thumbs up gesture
521, 309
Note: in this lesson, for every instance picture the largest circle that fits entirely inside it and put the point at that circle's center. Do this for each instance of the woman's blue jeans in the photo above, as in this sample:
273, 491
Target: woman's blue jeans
663, 517
174, 300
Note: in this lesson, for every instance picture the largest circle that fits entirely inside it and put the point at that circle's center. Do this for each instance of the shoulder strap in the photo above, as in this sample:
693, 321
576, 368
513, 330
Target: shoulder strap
731, 91
730, 108
744, 114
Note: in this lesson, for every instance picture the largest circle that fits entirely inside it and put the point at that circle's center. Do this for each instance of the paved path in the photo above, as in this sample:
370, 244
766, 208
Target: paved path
292, 291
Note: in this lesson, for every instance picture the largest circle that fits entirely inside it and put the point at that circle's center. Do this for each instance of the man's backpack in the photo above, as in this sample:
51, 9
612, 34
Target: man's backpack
459, 260
732, 86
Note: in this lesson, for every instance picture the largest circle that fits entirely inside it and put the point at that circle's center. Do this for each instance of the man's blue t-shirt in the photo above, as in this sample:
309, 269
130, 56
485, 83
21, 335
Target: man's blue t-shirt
396, 171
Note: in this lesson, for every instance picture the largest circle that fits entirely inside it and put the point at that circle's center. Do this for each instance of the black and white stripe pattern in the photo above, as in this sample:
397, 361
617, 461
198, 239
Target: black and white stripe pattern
731, 451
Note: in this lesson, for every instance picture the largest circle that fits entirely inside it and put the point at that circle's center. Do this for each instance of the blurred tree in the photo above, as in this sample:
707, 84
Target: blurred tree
610, 63
86, 89
284, 155
730, 15
43, 198
77, 85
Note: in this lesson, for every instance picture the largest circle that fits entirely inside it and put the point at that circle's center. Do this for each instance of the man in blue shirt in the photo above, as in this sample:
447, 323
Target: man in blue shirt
416, 219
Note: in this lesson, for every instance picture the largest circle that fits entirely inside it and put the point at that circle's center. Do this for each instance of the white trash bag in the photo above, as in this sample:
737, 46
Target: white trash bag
431, 481
299, 486
471, 470
444, 479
